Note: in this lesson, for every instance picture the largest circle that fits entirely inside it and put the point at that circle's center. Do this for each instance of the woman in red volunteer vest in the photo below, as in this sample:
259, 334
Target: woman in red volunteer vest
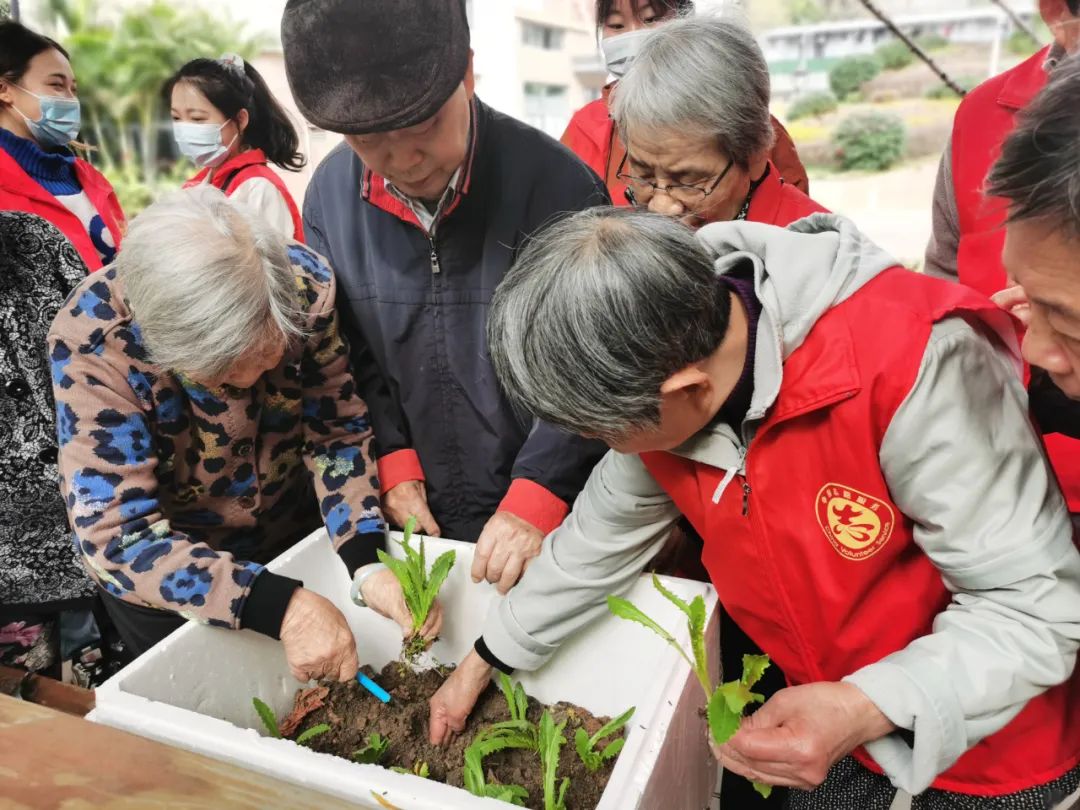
230, 126
851, 440
592, 135
39, 174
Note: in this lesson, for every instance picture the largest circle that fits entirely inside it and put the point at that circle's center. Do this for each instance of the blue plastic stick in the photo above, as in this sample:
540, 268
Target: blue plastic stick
373, 687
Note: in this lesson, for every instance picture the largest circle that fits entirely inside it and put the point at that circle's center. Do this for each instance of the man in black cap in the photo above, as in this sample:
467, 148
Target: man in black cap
421, 212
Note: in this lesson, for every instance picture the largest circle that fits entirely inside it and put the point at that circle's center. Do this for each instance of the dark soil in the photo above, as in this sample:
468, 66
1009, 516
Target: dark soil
353, 714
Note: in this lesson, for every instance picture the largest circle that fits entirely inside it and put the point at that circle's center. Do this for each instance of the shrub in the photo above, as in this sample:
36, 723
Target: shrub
812, 105
895, 55
872, 141
1020, 44
848, 75
932, 42
941, 91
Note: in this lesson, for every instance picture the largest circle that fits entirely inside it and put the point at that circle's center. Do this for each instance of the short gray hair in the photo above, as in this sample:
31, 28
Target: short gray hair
1038, 172
206, 281
702, 75
597, 312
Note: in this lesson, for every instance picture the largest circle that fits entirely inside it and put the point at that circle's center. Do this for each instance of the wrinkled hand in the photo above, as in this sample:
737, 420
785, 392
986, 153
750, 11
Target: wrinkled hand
409, 499
382, 593
451, 705
801, 732
317, 639
504, 550
1014, 301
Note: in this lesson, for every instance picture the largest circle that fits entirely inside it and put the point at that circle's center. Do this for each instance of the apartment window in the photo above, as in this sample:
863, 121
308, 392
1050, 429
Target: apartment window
541, 36
547, 107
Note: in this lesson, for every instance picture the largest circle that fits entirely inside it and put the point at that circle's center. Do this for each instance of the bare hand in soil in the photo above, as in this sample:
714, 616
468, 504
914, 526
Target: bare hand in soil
801, 732
451, 705
504, 550
382, 593
317, 639
409, 499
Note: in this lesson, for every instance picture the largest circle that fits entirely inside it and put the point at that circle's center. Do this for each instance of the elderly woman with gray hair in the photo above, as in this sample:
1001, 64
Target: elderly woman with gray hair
206, 417
693, 111
926, 617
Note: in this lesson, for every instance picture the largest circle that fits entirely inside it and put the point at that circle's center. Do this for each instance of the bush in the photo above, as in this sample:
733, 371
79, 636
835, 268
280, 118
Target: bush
967, 83
932, 42
895, 55
812, 105
1020, 44
871, 141
848, 75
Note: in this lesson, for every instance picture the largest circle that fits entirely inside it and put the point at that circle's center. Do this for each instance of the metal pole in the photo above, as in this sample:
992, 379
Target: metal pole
915, 49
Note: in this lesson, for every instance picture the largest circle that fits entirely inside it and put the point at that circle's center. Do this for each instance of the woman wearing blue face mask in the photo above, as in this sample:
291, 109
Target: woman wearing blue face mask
226, 121
591, 135
39, 174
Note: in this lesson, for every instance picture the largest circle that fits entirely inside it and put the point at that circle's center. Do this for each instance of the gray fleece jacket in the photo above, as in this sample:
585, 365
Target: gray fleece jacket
961, 459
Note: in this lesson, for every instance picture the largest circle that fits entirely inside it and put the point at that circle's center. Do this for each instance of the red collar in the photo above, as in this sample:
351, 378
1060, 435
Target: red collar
1024, 81
373, 186
250, 157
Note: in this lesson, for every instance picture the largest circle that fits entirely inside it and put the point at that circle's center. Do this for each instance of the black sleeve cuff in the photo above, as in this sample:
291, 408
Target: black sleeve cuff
482, 650
264, 609
360, 550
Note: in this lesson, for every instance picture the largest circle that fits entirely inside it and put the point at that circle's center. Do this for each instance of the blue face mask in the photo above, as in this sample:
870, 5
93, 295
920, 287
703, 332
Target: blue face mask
60, 121
201, 143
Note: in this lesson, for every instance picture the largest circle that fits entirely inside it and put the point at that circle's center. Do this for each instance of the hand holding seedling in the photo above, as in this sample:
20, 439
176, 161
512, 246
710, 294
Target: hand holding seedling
801, 732
451, 705
504, 550
409, 499
317, 639
383, 593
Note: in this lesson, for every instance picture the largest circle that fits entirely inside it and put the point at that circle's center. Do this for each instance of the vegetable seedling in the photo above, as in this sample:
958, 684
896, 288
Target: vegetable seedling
586, 745
312, 733
419, 586
487, 742
266, 714
418, 769
726, 701
375, 748
551, 742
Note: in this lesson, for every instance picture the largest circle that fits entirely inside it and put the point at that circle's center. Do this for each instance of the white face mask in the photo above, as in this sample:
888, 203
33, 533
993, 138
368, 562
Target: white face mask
201, 143
619, 51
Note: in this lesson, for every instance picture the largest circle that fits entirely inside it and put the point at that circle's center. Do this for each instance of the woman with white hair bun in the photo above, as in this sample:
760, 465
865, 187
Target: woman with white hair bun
195, 381
693, 111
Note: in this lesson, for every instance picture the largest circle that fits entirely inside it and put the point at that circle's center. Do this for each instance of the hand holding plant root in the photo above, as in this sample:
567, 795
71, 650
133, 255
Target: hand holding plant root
419, 588
726, 701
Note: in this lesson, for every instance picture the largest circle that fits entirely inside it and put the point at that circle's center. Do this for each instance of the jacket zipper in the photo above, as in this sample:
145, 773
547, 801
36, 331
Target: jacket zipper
434, 256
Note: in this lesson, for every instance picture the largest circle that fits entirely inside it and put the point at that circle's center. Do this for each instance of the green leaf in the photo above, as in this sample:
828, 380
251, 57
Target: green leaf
763, 789
738, 695
697, 638
511, 794
435, 579
612, 749
590, 759
422, 770
753, 667
312, 733
625, 609
551, 742
560, 803
723, 722
612, 726
375, 748
266, 714
675, 600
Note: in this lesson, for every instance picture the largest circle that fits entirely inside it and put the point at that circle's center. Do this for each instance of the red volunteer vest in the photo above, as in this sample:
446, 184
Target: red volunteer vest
983, 121
814, 560
20, 192
231, 174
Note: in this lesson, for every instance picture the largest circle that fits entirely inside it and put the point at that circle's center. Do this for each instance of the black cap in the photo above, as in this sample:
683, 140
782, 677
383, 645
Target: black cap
360, 66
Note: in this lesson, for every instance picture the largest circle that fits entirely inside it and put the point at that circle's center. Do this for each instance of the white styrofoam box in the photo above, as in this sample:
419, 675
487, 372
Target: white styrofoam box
194, 690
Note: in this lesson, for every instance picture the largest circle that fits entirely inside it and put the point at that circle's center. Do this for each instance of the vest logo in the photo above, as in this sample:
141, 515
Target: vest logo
857, 524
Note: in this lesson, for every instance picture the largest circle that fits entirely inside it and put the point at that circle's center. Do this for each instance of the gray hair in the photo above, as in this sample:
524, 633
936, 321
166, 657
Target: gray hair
1038, 172
597, 312
702, 75
206, 281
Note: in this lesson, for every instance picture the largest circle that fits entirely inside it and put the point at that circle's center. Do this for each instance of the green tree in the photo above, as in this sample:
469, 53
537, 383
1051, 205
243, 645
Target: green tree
121, 69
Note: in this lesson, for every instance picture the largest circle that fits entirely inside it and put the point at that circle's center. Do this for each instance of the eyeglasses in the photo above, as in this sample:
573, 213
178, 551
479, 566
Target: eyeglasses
689, 196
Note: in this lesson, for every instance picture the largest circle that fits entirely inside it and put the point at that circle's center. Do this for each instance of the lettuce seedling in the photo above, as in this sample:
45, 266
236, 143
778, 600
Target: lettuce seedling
726, 701
375, 748
496, 738
419, 587
312, 733
586, 745
418, 769
269, 719
551, 742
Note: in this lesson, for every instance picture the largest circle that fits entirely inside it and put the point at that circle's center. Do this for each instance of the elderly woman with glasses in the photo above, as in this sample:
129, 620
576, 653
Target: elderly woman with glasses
693, 111
207, 420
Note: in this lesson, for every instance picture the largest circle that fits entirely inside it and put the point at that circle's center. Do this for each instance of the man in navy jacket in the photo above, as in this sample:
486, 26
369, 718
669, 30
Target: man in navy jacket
421, 212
